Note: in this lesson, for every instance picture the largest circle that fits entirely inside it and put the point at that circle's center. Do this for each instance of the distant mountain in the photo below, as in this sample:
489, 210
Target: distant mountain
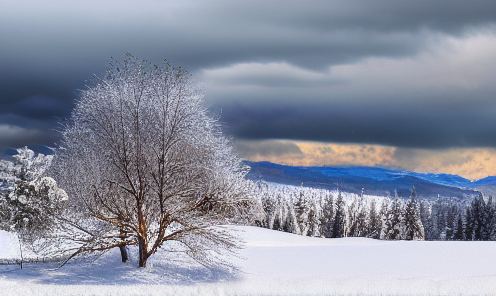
374, 180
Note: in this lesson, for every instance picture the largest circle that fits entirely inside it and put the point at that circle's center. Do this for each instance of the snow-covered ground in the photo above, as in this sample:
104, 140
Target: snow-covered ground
276, 263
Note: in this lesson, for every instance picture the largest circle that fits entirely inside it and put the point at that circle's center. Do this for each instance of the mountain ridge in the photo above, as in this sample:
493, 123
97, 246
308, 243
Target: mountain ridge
374, 180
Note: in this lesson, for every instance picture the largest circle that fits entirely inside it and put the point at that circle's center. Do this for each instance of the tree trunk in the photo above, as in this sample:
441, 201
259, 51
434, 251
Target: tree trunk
123, 253
20, 247
122, 247
142, 252
142, 238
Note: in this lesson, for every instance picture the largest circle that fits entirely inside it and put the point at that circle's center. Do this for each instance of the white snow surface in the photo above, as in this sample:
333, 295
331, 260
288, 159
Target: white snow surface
275, 263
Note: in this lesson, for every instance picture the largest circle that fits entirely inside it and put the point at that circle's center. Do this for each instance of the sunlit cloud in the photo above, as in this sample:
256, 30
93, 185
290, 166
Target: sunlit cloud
474, 163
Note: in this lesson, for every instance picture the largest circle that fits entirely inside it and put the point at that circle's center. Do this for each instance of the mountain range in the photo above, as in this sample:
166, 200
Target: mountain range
373, 180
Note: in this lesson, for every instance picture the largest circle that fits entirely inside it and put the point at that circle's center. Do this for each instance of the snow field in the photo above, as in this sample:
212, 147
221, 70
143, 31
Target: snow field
277, 263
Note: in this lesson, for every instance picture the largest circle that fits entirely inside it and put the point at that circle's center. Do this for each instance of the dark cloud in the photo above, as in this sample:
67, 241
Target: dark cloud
51, 48
247, 149
40, 107
401, 125
12, 136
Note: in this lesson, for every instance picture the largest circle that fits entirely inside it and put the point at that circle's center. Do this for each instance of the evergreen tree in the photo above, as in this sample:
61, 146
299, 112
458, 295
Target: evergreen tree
314, 216
301, 211
290, 223
362, 221
488, 231
374, 226
414, 230
441, 219
338, 225
393, 224
469, 225
31, 206
425, 218
351, 225
458, 233
327, 218
269, 207
434, 218
397, 221
386, 219
450, 220
277, 216
478, 217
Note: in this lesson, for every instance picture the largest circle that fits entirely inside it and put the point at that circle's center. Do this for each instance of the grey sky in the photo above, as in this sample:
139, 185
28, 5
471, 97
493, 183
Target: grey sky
402, 73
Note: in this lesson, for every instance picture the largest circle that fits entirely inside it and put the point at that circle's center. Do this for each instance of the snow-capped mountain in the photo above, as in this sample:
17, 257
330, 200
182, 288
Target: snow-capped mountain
374, 180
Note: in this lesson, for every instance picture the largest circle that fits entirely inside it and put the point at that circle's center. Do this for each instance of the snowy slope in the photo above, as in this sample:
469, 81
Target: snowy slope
279, 263
375, 180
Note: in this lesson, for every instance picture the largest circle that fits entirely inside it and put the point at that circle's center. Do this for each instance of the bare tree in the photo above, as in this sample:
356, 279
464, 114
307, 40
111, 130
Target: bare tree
143, 164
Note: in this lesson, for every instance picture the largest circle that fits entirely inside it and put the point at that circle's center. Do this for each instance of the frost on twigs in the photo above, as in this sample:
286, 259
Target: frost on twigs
143, 164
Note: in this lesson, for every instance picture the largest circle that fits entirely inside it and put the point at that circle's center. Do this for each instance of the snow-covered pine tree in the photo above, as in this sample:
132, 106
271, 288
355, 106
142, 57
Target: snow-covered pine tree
351, 228
269, 208
301, 211
489, 220
397, 218
478, 217
339, 217
314, 216
434, 218
469, 225
385, 216
458, 231
362, 219
374, 225
290, 224
327, 218
414, 230
277, 216
31, 203
441, 218
450, 220
425, 217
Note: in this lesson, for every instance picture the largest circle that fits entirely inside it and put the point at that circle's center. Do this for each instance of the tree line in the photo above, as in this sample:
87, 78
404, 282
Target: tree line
335, 214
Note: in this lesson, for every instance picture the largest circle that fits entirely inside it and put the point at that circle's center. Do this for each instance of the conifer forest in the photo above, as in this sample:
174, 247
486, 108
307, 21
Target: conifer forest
333, 214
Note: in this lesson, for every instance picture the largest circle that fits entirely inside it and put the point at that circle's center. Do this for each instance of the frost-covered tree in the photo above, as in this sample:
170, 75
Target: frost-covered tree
413, 224
351, 228
362, 220
469, 225
314, 215
289, 223
30, 202
489, 220
395, 222
450, 221
458, 231
339, 217
302, 209
384, 216
143, 164
478, 217
374, 226
31, 208
327, 217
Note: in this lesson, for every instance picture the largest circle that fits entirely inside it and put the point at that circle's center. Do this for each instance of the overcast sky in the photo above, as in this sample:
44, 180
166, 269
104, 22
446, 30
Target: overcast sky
409, 75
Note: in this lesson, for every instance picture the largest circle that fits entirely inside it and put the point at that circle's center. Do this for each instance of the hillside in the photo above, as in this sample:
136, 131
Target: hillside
374, 180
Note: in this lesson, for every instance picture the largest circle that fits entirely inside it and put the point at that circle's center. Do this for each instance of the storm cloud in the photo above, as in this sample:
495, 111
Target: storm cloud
409, 74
